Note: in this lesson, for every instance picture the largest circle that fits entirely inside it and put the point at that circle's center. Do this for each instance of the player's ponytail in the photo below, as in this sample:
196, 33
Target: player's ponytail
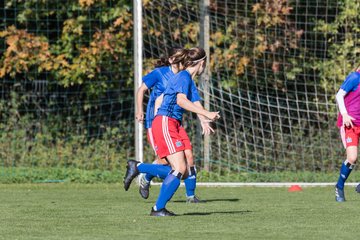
161, 62
194, 56
176, 55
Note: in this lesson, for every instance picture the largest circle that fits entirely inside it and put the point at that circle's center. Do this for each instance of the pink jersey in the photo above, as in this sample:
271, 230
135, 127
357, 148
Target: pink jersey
351, 86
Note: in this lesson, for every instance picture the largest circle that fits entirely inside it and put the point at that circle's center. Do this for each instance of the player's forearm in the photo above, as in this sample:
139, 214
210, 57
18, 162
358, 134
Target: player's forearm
340, 100
139, 99
191, 107
201, 117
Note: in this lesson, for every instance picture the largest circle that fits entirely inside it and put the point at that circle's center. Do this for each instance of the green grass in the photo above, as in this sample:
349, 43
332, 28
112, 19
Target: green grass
106, 211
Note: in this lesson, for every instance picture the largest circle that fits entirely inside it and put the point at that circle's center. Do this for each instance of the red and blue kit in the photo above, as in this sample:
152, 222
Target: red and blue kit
168, 134
351, 85
182, 135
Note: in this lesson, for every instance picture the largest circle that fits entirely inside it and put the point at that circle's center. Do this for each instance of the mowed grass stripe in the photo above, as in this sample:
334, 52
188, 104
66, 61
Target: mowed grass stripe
106, 211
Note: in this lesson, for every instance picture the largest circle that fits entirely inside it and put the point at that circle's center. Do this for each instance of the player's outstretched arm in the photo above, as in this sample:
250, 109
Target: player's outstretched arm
139, 116
183, 102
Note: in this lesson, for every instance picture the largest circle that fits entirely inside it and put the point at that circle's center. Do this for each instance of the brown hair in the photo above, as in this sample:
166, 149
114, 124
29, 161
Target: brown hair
193, 56
177, 54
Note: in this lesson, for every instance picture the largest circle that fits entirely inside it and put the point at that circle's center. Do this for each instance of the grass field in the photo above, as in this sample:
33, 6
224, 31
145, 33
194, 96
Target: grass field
106, 211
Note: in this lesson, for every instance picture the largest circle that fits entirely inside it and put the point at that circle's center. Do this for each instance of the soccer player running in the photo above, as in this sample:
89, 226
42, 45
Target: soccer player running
178, 97
348, 99
157, 80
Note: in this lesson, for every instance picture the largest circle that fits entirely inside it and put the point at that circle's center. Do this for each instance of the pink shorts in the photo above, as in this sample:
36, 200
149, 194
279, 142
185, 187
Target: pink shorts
350, 136
169, 136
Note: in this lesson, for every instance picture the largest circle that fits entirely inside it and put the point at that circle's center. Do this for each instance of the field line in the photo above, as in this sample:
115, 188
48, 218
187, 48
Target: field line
265, 184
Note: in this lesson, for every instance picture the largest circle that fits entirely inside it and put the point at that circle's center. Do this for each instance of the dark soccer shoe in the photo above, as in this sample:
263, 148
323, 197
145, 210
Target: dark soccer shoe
358, 188
144, 187
194, 199
131, 173
161, 213
339, 194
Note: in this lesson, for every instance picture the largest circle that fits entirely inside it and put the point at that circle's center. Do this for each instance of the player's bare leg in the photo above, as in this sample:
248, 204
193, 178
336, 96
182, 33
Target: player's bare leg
346, 167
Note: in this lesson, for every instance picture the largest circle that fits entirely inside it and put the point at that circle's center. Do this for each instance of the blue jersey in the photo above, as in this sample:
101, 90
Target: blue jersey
157, 81
181, 83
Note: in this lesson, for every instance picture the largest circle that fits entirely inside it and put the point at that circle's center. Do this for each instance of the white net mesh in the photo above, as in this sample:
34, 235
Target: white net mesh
275, 69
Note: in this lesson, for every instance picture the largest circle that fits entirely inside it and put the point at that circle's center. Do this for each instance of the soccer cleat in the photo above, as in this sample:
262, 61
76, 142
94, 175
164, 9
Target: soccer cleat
161, 213
194, 199
131, 173
339, 194
144, 187
358, 188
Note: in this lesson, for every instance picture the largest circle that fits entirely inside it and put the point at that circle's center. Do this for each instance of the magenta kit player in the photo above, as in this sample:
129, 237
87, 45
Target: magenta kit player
348, 99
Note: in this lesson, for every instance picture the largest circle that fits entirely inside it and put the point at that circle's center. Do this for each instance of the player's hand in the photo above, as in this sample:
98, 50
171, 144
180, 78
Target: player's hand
212, 116
139, 116
347, 120
206, 128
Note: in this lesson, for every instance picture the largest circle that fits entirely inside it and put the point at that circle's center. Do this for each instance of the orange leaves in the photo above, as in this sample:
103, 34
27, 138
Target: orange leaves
176, 34
73, 26
256, 7
24, 51
86, 3
271, 12
191, 31
243, 62
119, 21
261, 48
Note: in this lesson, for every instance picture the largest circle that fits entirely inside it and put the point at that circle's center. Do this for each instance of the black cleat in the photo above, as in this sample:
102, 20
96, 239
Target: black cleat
339, 194
161, 213
131, 173
194, 199
144, 187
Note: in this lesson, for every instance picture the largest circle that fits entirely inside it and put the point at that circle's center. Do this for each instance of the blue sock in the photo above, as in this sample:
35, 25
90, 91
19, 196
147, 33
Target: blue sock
345, 171
149, 177
168, 188
161, 174
190, 182
155, 170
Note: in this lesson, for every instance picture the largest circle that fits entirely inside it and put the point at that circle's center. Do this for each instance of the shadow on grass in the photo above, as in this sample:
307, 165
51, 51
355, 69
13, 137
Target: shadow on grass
217, 212
212, 200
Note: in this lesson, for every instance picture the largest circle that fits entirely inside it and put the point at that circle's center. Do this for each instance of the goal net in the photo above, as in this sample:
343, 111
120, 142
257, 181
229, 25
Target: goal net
275, 69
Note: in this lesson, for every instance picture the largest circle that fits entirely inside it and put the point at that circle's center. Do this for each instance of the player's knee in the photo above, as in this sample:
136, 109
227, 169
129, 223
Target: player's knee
352, 160
182, 169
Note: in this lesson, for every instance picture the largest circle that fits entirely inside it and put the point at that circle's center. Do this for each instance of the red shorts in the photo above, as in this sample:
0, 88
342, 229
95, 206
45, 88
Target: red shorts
169, 136
150, 138
350, 136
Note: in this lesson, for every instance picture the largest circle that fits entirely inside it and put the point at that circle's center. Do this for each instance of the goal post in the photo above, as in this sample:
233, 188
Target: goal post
138, 63
205, 77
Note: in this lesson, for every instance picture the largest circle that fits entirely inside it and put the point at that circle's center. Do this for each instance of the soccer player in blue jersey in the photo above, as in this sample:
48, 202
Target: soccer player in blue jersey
348, 99
168, 139
157, 80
